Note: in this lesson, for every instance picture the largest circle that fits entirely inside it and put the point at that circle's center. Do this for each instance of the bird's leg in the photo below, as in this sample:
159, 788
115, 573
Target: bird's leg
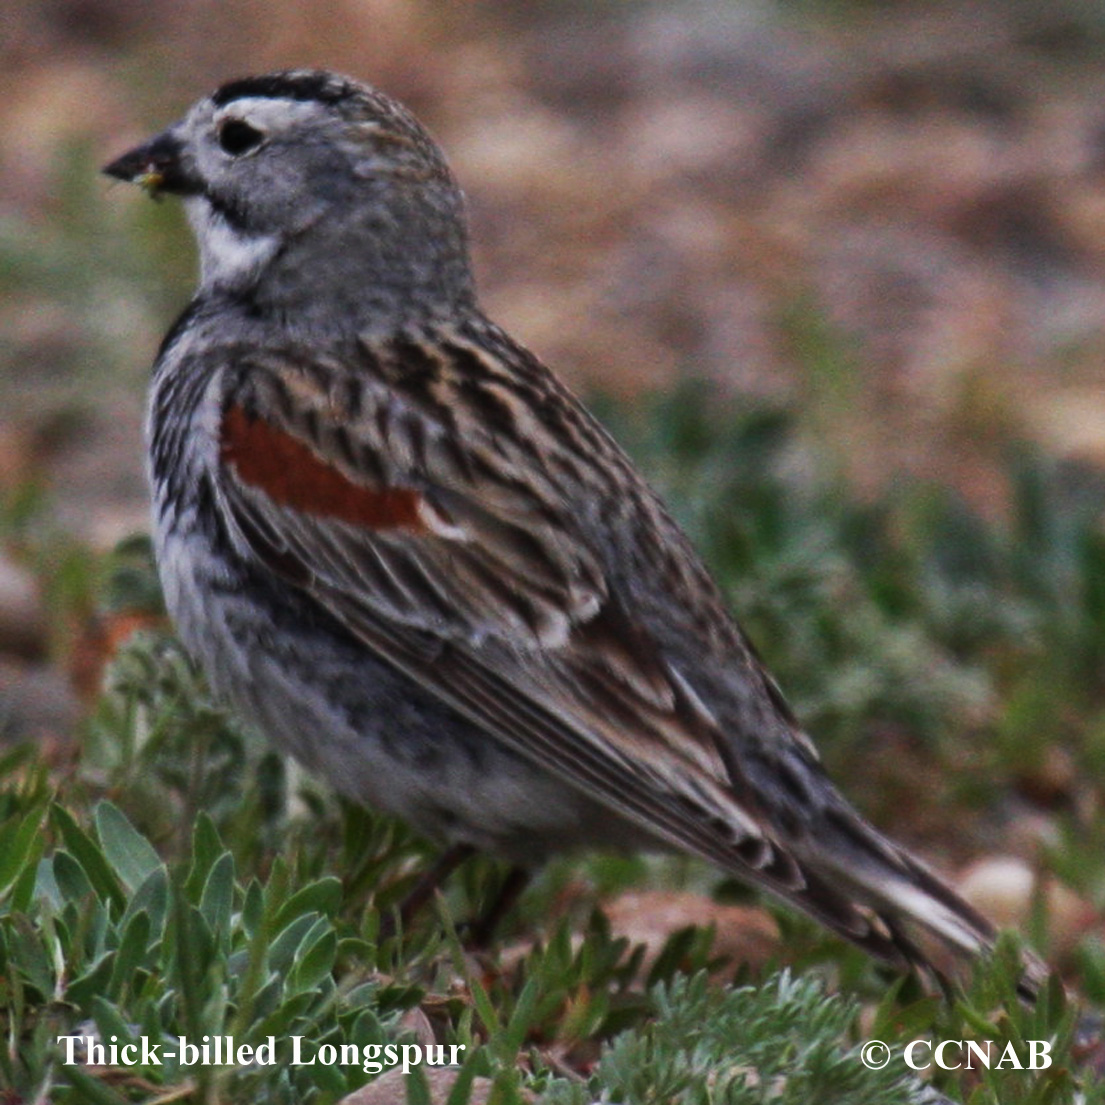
482, 928
424, 889
477, 932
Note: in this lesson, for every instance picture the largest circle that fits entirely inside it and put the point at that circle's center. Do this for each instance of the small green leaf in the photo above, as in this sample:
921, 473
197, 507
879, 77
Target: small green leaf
23, 892
129, 853
280, 1021
314, 964
29, 956
521, 1019
92, 983
418, 1089
462, 1087
265, 1000
19, 836
70, 879
284, 947
92, 1089
131, 953
258, 930
485, 1008
110, 1022
45, 887
323, 896
676, 949
253, 909
217, 900
88, 854
191, 960
207, 848
152, 898
367, 1028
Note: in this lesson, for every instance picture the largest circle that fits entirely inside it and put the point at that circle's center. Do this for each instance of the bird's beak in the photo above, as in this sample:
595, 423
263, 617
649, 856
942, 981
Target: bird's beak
157, 166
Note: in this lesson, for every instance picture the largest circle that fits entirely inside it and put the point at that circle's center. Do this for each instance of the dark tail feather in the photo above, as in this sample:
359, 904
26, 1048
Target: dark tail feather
906, 899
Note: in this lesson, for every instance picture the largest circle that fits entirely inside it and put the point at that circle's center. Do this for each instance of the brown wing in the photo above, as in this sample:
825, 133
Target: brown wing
428, 553
411, 523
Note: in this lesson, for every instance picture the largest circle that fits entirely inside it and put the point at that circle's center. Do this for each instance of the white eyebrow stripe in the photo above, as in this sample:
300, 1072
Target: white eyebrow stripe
267, 113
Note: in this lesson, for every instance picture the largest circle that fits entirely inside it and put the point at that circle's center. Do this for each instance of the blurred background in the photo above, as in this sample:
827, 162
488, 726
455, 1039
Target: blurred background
657, 190
885, 219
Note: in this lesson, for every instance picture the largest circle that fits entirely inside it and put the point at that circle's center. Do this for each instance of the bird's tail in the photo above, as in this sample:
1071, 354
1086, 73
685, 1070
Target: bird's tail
823, 857
901, 901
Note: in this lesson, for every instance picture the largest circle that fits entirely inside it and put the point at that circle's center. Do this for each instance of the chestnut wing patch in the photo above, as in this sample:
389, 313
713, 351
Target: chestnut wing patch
291, 474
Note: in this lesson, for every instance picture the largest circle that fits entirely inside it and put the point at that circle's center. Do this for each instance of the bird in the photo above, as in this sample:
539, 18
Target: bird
400, 546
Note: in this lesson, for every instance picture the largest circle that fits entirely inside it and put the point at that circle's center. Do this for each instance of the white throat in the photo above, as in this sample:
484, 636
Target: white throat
228, 255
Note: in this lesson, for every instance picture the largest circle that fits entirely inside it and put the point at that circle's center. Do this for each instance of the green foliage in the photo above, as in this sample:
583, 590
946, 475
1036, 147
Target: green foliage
782, 1042
188, 882
821, 583
910, 611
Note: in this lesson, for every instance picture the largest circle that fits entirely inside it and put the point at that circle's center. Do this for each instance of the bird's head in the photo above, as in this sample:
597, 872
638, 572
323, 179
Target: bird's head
308, 168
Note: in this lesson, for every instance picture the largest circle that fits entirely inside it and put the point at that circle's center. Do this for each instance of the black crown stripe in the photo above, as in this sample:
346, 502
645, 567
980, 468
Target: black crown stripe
321, 87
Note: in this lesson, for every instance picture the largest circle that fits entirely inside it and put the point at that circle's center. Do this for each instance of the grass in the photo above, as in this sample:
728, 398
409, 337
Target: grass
177, 878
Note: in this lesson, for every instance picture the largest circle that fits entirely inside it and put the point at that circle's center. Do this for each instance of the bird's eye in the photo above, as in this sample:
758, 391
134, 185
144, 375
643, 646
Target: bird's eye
237, 137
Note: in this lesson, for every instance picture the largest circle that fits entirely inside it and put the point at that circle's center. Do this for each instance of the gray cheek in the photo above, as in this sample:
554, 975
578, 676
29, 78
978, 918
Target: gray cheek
329, 184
